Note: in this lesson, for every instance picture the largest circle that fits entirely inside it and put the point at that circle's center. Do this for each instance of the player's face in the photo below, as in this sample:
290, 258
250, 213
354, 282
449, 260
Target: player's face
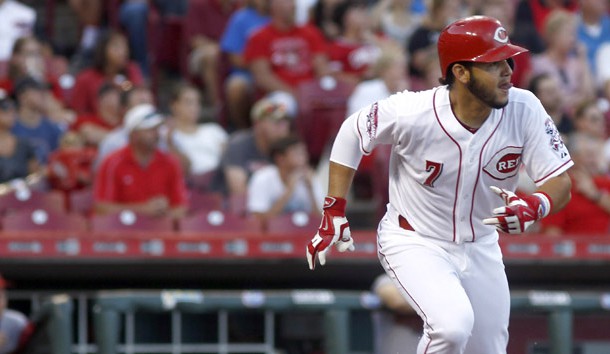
490, 82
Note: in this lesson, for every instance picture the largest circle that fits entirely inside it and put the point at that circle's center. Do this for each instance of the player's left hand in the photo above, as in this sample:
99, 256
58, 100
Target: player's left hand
519, 213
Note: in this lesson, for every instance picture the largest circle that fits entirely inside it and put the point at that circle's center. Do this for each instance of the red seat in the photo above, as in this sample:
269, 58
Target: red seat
218, 221
81, 201
130, 221
322, 109
27, 199
200, 201
237, 204
201, 182
42, 219
297, 222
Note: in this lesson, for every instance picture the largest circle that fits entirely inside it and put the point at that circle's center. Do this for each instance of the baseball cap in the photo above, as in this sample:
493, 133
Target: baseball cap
276, 105
143, 116
28, 83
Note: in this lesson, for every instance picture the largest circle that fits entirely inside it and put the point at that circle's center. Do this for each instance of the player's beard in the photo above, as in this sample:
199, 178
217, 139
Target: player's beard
487, 96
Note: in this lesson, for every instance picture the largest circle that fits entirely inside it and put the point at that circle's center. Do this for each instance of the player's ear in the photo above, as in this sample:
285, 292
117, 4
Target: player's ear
461, 73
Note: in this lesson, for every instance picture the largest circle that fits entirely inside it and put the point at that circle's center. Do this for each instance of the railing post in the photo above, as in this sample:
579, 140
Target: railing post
336, 323
60, 326
560, 331
107, 327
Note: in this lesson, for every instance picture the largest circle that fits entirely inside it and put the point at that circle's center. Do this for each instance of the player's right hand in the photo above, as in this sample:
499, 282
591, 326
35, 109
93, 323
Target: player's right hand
334, 230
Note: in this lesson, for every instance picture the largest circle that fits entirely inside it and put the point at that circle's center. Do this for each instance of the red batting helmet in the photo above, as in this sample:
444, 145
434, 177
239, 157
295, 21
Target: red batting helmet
478, 39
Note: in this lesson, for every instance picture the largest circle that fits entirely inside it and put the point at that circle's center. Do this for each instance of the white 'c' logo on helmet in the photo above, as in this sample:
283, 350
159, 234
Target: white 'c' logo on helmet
501, 35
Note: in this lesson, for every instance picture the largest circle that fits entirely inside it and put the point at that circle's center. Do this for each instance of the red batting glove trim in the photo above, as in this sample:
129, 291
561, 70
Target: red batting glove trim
335, 204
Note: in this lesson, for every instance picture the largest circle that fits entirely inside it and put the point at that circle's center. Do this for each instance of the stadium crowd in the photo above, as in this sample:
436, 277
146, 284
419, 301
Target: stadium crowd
164, 104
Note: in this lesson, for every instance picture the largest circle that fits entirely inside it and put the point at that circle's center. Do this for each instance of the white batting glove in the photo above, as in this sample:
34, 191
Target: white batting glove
334, 230
520, 212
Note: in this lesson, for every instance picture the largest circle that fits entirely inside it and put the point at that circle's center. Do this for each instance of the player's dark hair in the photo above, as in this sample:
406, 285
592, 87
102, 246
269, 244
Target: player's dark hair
449, 79
281, 145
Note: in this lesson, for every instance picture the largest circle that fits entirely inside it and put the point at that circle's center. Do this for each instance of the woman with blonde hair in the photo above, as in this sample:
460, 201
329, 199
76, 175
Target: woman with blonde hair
565, 59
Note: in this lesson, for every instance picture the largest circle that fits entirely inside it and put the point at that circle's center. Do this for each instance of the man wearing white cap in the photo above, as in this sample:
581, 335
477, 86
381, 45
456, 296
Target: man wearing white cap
140, 177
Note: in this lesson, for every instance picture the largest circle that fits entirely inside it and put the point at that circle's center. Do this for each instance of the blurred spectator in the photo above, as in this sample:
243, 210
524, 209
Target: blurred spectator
71, 165
32, 123
546, 88
17, 154
136, 95
395, 19
94, 127
422, 42
110, 64
353, 53
287, 185
504, 11
206, 21
15, 328
140, 177
201, 144
431, 73
239, 85
248, 150
134, 18
536, 12
396, 326
18, 21
28, 59
565, 59
90, 15
322, 17
594, 30
589, 119
390, 77
588, 212
281, 54
118, 137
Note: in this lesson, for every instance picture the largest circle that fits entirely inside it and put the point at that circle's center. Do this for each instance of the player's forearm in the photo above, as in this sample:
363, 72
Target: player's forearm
558, 190
340, 179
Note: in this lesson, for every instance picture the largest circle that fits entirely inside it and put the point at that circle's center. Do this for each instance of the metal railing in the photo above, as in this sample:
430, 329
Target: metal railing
114, 326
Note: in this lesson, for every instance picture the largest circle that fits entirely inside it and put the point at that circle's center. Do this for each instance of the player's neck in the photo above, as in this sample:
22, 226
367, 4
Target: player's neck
468, 110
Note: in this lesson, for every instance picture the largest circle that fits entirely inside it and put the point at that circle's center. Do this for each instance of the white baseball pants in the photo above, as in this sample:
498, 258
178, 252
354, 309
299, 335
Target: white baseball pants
459, 290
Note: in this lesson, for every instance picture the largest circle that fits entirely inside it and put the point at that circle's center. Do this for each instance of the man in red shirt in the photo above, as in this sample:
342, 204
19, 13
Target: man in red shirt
140, 177
588, 212
281, 54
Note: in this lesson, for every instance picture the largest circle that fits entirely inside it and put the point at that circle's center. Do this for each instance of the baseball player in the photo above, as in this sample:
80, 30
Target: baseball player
456, 151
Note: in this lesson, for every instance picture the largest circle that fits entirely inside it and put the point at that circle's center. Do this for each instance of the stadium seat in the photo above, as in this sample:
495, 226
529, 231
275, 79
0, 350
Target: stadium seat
218, 221
43, 220
322, 109
236, 204
293, 223
127, 220
81, 201
201, 182
30, 199
200, 201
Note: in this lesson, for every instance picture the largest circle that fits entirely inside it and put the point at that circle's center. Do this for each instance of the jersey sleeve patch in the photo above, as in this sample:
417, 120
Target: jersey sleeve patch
555, 140
372, 122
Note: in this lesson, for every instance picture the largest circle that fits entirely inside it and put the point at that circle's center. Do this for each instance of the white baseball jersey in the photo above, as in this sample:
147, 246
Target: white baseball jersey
440, 172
